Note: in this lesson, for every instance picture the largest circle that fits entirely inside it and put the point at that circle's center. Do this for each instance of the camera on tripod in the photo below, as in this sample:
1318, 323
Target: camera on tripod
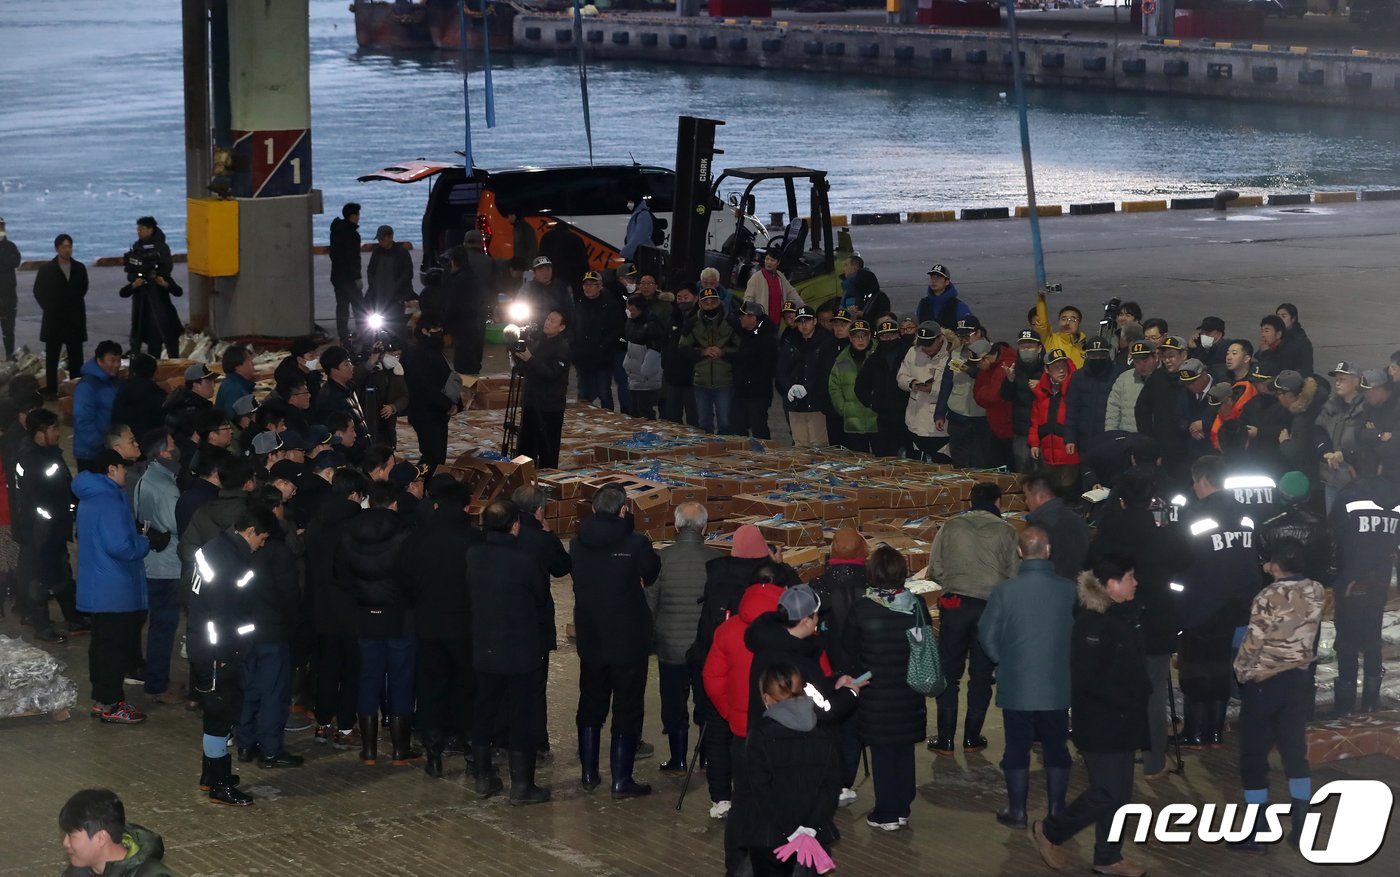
143, 262
1110, 315
520, 331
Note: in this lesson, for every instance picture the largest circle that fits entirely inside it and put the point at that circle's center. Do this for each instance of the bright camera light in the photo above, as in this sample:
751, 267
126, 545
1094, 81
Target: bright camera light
518, 312
376, 322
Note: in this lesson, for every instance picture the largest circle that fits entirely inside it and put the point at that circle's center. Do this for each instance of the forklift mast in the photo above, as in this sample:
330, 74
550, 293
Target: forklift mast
690, 216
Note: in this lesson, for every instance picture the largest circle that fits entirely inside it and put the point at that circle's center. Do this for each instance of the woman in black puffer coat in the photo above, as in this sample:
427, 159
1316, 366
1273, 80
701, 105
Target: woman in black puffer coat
892, 717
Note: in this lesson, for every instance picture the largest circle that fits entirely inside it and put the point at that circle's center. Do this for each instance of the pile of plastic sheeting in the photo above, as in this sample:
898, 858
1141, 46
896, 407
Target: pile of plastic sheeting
32, 681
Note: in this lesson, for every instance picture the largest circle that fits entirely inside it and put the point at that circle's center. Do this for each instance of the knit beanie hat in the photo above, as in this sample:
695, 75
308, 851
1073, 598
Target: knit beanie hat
749, 542
848, 544
1294, 485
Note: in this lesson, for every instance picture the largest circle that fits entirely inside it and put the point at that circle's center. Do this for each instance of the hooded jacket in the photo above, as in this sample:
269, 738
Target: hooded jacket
795, 774
728, 664
345, 251
140, 404
1305, 440
771, 643
1049, 415
1088, 400
972, 552
367, 565
508, 607
1109, 685
1284, 620
891, 713
1025, 630
727, 578
924, 410
335, 612
1156, 413
92, 409
1069, 536
434, 568
145, 852
756, 362
855, 417
111, 575
945, 309
645, 338
839, 588
676, 598
612, 566
986, 392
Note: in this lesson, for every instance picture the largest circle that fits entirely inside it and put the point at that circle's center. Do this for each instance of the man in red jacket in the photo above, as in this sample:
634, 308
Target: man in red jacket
1058, 457
991, 362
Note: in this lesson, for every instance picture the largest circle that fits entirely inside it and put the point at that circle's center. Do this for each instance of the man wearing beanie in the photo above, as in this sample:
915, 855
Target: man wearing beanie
971, 554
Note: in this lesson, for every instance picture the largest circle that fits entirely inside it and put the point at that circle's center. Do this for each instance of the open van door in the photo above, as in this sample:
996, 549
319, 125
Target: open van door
408, 171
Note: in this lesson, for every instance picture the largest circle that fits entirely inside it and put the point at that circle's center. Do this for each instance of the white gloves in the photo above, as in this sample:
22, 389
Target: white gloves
795, 392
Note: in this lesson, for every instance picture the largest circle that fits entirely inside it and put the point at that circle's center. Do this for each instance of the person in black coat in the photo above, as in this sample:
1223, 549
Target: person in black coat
339, 395
390, 281
154, 321
803, 378
794, 770
463, 312
366, 565
510, 623
301, 363
9, 301
877, 388
755, 368
334, 612
60, 287
140, 401
612, 564
426, 373
1109, 689
892, 717
1158, 405
1090, 387
1159, 554
596, 332
1019, 390
542, 544
434, 571
346, 270
544, 363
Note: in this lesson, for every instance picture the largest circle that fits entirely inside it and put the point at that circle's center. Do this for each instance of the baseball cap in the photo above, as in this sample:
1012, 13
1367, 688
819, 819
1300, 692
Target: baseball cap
1375, 378
405, 473
383, 231
295, 440
1028, 335
630, 271
332, 459
789, 306
798, 602
754, 309
967, 325
1142, 348
199, 372
1172, 342
1211, 324
860, 326
1262, 371
1344, 368
540, 262
928, 331
708, 293
1218, 393
266, 442
285, 470
245, 405
1190, 370
1288, 381
978, 349
1054, 355
1097, 348
805, 313
592, 275
843, 316
939, 269
886, 326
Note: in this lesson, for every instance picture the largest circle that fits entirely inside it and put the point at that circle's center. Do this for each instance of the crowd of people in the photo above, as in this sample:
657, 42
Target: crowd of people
1228, 482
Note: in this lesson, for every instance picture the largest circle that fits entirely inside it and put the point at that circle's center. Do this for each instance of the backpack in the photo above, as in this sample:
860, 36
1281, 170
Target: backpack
658, 230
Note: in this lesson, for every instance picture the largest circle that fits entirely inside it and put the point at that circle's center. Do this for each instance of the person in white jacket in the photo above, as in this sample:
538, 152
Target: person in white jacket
926, 375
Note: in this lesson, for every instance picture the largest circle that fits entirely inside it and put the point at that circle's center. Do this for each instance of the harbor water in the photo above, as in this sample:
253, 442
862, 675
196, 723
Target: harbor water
91, 129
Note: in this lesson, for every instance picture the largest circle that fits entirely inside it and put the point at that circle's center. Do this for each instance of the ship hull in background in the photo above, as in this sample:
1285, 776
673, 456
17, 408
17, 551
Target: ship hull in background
429, 24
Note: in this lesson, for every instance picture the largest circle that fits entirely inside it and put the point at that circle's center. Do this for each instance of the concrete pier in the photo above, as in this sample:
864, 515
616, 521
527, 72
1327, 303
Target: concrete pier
1262, 71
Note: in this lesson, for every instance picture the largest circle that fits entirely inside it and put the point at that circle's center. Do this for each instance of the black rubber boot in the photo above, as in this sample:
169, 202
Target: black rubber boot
590, 740
942, 744
973, 741
1298, 817
522, 779
1193, 731
1018, 784
1252, 844
369, 738
222, 788
433, 744
623, 757
487, 782
205, 779
401, 736
1215, 729
680, 741
1056, 788
1370, 694
1344, 703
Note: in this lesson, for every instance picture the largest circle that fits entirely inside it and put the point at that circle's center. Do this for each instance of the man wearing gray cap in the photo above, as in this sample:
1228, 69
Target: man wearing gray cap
1381, 429
925, 374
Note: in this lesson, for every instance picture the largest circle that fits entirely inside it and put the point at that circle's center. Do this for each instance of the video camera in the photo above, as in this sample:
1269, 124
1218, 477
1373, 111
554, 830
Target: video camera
1109, 320
520, 331
144, 261
378, 339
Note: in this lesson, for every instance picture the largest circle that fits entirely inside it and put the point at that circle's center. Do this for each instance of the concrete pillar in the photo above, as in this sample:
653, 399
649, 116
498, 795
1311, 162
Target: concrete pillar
269, 86
198, 156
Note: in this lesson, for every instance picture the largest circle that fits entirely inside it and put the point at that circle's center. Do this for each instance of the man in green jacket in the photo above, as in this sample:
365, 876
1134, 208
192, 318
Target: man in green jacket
860, 424
99, 840
1025, 629
710, 342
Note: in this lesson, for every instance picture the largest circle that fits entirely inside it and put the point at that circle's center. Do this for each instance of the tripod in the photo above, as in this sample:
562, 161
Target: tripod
510, 429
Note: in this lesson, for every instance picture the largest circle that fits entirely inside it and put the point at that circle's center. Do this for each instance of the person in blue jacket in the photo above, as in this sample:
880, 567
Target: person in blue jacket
92, 401
238, 378
111, 583
940, 302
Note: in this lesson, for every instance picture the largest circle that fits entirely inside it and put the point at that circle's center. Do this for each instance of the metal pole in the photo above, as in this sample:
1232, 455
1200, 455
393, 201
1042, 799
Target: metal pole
199, 160
1017, 81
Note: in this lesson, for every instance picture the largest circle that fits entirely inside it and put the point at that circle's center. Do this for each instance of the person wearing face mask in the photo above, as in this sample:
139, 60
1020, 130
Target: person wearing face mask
430, 406
710, 343
1088, 404
301, 361
804, 369
1157, 406
383, 392
9, 262
1021, 380
1049, 436
1208, 344
860, 423
155, 497
877, 387
677, 370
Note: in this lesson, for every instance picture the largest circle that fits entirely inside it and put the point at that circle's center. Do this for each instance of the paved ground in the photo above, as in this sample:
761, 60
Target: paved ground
1336, 262
333, 816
